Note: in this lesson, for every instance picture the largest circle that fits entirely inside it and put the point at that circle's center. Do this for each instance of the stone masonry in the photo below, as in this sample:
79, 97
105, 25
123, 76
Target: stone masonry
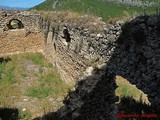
29, 38
126, 48
129, 49
30, 20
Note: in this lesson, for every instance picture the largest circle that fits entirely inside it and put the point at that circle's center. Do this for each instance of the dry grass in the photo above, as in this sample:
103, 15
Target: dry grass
90, 22
7, 95
60, 15
126, 89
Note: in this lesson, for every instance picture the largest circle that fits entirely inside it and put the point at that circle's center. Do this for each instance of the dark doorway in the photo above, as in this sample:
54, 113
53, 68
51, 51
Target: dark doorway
66, 35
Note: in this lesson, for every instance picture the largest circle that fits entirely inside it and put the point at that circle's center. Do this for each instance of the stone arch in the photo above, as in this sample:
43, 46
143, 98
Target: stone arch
15, 24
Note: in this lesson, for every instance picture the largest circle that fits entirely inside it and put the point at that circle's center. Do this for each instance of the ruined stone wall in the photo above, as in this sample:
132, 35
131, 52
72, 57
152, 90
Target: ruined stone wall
27, 39
136, 56
87, 49
83, 58
30, 20
19, 41
129, 49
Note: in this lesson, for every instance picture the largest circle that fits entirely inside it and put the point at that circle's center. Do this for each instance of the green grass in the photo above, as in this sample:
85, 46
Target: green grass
50, 85
104, 9
24, 115
7, 71
2, 67
37, 59
46, 83
39, 92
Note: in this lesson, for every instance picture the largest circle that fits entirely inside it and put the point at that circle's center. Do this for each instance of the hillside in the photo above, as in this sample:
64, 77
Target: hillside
103, 8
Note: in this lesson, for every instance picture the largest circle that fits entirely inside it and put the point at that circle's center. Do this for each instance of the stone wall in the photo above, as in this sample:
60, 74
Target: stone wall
79, 55
87, 47
28, 39
136, 56
19, 41
130, 50
30, 20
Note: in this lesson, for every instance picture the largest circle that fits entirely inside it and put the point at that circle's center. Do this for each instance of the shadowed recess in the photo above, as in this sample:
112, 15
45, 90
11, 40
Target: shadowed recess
8, 114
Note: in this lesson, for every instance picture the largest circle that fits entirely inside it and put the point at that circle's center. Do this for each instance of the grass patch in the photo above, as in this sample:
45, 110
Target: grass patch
50, 85
37, 58
6, 94
24, 115
7, 80
125, 89
132, 100
39, 92
7, 70
16, 81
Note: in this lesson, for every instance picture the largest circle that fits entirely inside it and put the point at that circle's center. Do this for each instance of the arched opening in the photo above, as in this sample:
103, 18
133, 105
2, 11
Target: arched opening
15, 24
66, 35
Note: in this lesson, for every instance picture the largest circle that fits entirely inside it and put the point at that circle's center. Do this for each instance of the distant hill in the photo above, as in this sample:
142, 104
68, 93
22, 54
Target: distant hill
103, 8
13, 8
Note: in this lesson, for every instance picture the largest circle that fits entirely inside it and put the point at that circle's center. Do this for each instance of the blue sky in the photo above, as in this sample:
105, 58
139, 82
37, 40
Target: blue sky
20, 3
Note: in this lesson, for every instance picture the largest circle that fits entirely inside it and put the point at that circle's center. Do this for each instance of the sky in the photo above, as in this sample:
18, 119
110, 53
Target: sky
20, 3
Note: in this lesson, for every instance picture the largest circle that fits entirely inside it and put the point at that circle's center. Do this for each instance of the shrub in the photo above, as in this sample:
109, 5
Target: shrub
54, 26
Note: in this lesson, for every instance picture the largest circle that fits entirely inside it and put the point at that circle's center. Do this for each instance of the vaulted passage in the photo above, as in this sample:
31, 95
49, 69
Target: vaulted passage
15, 24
